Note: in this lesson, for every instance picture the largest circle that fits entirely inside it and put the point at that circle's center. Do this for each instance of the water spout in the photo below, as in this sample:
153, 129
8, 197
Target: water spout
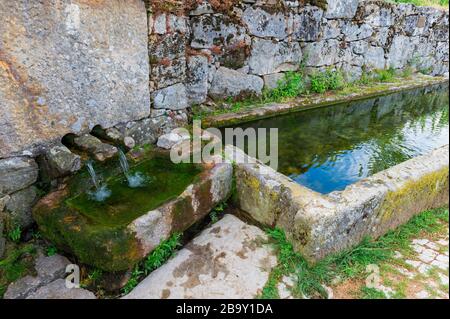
94, 178
134, 180
101, 191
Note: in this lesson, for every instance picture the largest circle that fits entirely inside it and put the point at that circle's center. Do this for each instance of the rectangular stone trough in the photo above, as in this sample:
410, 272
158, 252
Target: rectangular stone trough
115, 235
318, 224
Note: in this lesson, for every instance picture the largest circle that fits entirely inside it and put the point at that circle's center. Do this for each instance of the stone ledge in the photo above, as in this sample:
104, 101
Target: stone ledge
120, 248
319, 225
316, 101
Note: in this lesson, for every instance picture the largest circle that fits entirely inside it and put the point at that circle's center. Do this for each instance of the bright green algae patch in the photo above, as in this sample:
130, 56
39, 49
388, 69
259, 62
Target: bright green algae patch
164, 181
97, 233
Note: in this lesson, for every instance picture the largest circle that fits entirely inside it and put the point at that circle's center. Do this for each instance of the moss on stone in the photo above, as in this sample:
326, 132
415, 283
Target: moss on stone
97, 233
430, 191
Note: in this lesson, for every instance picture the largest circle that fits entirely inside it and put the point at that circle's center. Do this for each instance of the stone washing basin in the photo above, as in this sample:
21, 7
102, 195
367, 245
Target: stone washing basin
115, 234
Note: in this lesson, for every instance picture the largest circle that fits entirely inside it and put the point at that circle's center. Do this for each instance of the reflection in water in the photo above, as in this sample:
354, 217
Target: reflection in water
329, 148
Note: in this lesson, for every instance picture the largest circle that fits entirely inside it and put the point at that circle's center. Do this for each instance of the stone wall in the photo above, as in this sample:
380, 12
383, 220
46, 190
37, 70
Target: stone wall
68, 65
207, 53
136, 67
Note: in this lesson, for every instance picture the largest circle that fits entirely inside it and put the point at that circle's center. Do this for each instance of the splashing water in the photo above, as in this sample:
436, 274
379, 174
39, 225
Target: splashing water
134, 180
93, 175
101, 191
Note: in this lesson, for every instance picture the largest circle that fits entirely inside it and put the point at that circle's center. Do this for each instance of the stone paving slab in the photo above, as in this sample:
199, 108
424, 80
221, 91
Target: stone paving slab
228, 260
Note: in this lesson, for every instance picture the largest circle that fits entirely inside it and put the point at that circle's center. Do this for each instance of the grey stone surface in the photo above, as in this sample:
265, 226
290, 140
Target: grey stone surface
173, 72
68, 66
271, 80
129, 142
17, 173
270, 56
58, 290
379, 16
307, 24
3, 200
374, 58
215, 30
400, 52
341, 9
145, 131
114, 135
167, 141
95, 147
322, 53
262, 23
19, 206
21, 288
50, 268
319, 225
228, 260
354, 32
231, 83
62, 161
173, 97
197, 75
170, 46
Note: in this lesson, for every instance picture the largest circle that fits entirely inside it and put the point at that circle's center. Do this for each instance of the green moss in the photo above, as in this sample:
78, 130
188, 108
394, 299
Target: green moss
97, 233
427, 192
165, 181
17, 263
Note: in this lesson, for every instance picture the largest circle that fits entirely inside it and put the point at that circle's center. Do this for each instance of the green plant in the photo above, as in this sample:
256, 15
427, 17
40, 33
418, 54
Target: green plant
155, 259
407, 72
15, 264
162, 253
319, 82
214, 217
95, 275
217, 211
36, 234
434, 3
425, 70
15, 234
350, 263
133, 281
289, 262
329, 79
371, 293
51, 251
292, 85
385, 75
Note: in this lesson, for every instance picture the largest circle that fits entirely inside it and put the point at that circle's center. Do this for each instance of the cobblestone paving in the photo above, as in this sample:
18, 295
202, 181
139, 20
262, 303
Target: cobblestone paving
422, 274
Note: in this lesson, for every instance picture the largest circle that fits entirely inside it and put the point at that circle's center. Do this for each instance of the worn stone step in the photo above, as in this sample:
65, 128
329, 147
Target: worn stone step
230, 259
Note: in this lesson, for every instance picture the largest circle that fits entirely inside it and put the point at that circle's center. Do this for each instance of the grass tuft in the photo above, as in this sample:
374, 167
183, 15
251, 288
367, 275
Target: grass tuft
154, 260
351, 263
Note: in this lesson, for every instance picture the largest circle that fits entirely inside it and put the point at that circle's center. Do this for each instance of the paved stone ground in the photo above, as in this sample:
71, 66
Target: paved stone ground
423, 274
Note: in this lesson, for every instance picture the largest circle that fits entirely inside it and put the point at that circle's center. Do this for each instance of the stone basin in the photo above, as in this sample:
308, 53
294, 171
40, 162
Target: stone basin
115, 234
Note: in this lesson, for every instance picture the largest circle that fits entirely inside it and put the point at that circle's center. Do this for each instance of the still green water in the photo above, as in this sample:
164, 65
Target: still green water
329, 148
164, 181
